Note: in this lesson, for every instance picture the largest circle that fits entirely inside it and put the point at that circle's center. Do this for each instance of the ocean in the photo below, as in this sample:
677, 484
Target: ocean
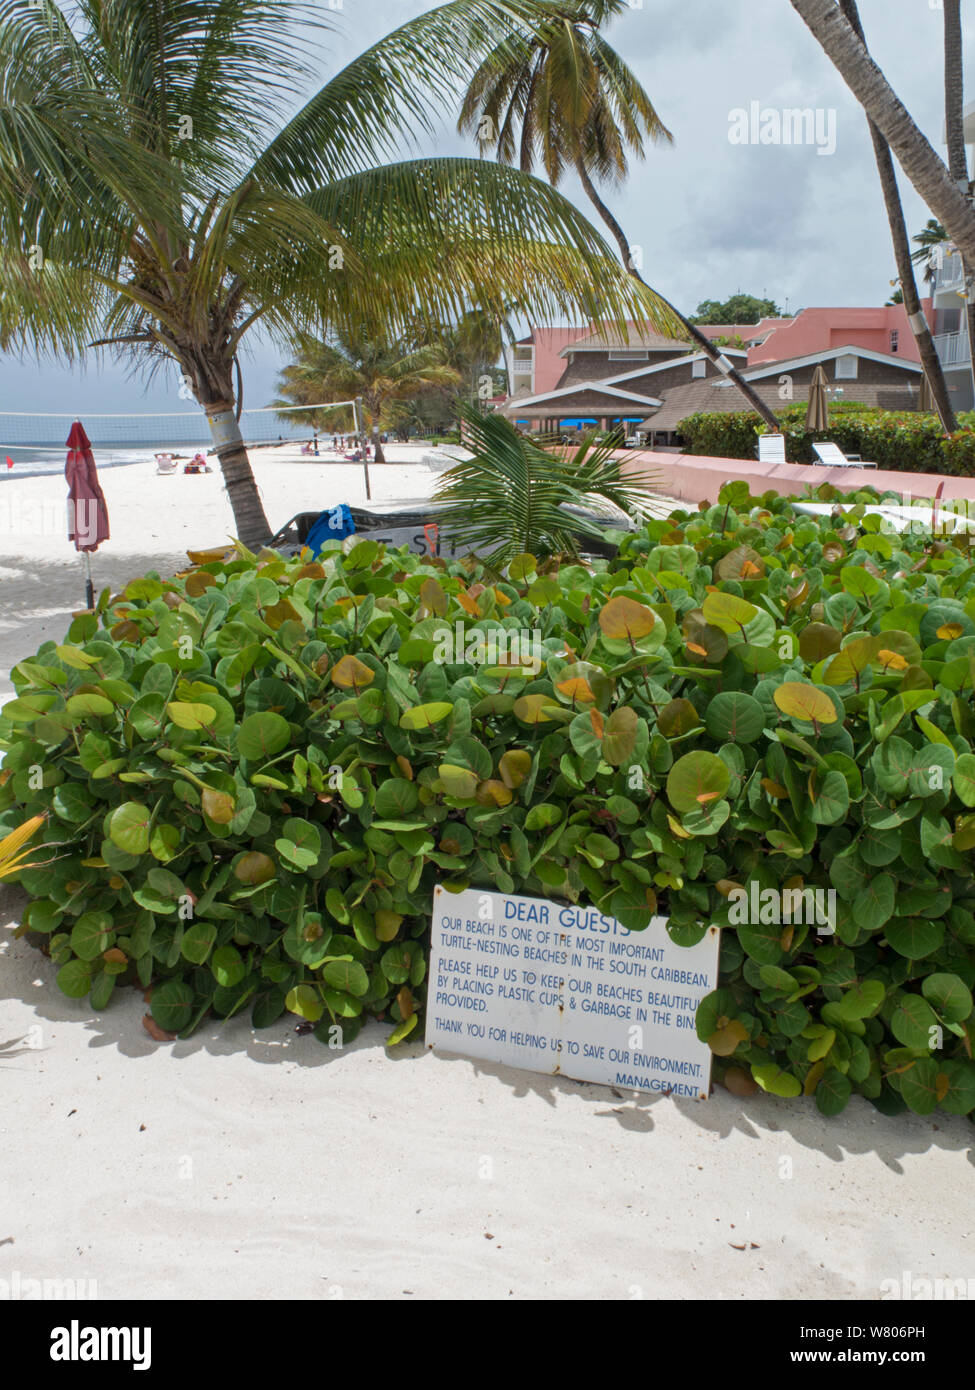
36, 460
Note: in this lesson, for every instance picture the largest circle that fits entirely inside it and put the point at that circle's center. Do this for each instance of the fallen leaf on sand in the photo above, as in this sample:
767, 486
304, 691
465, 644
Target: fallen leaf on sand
154, 1031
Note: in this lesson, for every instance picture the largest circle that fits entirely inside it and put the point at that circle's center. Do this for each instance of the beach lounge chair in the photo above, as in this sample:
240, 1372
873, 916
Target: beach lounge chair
833, 456
771, 448
165, 464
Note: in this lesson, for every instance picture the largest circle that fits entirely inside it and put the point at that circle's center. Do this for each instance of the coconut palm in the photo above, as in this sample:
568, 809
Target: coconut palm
909, 296
158, 194
512, 496
561, 96
379, 373
957, 153
930, 176
927, 240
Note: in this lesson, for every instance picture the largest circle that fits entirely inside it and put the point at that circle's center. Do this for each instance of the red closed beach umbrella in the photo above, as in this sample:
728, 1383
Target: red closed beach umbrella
87, 509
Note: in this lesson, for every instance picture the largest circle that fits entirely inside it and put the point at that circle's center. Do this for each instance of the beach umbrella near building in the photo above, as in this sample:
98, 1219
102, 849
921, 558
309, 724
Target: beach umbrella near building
925, 401
87, 509
817, 416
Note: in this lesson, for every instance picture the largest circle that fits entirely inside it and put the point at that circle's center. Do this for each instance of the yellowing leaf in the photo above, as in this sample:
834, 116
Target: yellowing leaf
626, 620
433, 597
218, 806
577, 688
352, 674
198, 582
190, 716
534, 709
493, 793
801, 701
514, 767
893, 660
724, 1042
948, 631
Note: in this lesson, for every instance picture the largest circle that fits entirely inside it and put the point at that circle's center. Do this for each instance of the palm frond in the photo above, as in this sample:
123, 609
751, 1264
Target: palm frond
441, 234
512, 496
395, 90
13, 851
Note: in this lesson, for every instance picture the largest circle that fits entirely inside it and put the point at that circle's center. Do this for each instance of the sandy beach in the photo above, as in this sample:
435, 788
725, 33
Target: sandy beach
263, 1165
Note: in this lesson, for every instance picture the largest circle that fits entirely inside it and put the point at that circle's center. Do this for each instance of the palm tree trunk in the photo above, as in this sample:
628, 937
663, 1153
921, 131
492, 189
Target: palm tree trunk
920, 163
704, 343
253, 528
930, 360
378, 454
957, 154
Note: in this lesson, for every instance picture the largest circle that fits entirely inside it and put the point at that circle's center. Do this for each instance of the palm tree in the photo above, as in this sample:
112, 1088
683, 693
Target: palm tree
957, 154
379, 373
911, 300
560, 94
930, 176
156, 194
473, 347
511, 497
932, 236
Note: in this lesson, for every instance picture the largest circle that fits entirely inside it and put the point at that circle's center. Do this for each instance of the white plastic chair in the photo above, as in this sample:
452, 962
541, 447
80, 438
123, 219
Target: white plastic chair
833, 457
165, 464
771, 448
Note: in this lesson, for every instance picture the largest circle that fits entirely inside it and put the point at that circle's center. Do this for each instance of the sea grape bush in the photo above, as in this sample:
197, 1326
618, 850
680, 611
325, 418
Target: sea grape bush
254, 774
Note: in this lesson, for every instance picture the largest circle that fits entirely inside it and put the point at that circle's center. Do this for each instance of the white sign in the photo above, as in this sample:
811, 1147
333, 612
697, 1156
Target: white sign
565, 989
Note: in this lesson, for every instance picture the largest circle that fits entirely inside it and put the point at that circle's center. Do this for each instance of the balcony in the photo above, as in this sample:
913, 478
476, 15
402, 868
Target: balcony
947, 270
953, 349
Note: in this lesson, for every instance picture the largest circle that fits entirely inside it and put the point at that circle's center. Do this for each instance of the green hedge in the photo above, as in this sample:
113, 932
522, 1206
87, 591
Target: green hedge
254, 775
904, 441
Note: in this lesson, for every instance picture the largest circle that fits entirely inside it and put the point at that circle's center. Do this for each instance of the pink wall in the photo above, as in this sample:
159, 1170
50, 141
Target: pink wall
816, 330
698, 479
549, 366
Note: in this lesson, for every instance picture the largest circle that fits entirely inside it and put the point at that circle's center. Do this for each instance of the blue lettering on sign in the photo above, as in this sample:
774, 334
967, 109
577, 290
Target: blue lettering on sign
526, 912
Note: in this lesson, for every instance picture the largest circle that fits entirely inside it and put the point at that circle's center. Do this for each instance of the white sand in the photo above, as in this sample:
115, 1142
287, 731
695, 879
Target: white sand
269, 1167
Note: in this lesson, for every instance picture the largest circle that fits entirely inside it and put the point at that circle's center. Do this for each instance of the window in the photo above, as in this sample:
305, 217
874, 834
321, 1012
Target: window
700, 367
894, 339
846, 367
630, 355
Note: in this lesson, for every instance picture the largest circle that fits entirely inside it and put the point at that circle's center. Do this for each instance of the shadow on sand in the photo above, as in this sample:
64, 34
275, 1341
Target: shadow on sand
29, 977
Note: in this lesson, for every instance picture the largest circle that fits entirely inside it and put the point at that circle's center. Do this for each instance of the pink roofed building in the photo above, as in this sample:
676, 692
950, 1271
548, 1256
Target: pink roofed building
886, 330
533, 363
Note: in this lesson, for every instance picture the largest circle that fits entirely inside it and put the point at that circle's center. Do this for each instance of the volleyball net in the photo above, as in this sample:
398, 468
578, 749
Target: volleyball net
24, 433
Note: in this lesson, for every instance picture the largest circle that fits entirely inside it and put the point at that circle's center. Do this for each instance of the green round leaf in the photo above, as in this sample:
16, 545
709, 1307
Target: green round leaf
734, 717
697, 779
128, 827
262, 736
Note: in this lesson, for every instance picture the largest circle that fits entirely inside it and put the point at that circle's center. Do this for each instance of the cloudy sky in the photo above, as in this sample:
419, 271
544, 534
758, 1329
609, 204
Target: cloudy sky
710, 217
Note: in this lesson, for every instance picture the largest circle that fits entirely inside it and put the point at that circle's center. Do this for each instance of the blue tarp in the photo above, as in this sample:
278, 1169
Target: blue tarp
332, 525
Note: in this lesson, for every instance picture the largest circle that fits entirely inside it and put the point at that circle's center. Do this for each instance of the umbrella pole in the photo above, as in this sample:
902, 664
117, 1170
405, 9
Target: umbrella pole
89, 585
